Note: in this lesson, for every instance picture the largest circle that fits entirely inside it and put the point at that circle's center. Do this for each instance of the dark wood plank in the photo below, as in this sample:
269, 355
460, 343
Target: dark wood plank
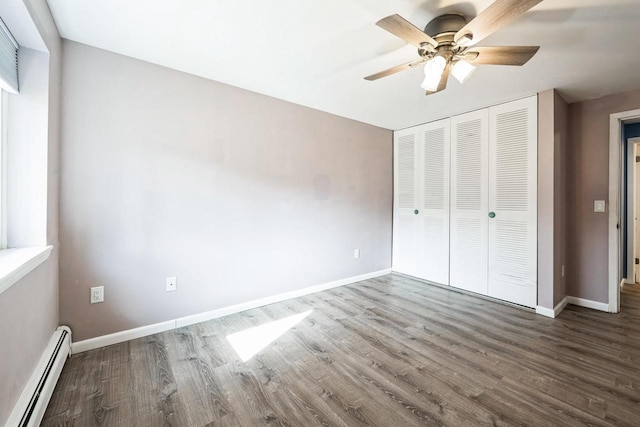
386, 351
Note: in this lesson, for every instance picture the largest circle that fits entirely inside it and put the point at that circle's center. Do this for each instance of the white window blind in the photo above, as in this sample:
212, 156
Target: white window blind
8, 60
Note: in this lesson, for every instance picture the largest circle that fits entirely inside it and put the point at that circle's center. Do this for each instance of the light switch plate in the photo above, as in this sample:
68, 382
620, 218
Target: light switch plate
599, 206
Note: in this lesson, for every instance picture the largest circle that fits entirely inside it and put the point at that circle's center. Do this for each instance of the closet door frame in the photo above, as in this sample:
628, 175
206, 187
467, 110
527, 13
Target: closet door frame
471, 231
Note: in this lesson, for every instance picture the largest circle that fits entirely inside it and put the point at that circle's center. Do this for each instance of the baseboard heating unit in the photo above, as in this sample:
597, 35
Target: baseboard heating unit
34, 399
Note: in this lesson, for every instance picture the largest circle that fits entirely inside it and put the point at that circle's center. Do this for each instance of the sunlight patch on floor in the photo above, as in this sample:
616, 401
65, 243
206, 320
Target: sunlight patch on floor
249, 342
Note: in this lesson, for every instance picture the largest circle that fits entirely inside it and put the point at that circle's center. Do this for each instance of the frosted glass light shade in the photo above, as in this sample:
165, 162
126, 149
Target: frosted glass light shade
433, 72
461, 70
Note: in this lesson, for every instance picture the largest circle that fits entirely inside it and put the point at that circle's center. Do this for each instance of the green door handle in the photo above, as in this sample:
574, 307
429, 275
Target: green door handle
416, 212
492, 214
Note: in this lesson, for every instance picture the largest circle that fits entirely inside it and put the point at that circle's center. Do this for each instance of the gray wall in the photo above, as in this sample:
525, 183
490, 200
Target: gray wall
561, 142
553, 138
28, 316
546, 151
239, 195
29, 309
588, 180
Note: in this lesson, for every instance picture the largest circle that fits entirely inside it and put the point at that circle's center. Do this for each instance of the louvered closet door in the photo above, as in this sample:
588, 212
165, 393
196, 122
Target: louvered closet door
405, 201
433, 217
469, 201
513, 198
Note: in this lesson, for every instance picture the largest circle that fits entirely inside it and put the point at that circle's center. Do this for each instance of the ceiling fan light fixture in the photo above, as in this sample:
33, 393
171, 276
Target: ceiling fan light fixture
433, 70
465, 40
447, 41
461, 70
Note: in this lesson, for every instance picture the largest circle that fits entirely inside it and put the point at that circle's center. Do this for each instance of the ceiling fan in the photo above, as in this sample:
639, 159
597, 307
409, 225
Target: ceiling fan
446, 44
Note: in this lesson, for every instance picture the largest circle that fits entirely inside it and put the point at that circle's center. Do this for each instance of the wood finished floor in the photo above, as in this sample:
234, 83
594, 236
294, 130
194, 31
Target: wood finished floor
389, 351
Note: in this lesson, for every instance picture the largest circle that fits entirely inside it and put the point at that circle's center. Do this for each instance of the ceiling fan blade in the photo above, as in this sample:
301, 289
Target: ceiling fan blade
494, 17
443, 80
394, 70
507, 55
404, 29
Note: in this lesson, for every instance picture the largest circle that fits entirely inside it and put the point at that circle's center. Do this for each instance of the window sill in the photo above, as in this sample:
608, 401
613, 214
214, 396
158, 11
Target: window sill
16, 263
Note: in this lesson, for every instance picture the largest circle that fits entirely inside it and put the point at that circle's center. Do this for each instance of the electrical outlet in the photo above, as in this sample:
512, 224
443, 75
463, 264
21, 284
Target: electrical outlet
97, 294
172, 284
356, 253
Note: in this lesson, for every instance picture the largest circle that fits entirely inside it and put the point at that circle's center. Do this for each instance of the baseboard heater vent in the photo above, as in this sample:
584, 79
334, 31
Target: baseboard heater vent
34, 399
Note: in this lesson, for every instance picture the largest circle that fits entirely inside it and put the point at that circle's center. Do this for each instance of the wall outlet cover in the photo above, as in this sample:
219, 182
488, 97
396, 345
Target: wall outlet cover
356, 253
97, 294
172, 284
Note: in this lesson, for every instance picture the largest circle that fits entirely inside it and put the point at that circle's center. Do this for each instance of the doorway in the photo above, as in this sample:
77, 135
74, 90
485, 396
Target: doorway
621, 251
636, 205
631, 257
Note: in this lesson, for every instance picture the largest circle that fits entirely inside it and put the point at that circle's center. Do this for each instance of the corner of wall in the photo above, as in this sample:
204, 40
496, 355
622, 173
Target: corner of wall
553, 138
561, 140
546, 154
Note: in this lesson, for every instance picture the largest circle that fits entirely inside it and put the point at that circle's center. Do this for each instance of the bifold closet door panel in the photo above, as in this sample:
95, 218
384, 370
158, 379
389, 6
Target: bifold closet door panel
405, 202
433, 217
513, 137
469, 201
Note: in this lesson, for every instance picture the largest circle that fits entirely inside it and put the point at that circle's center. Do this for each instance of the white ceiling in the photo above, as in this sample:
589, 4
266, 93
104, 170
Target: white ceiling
316, 52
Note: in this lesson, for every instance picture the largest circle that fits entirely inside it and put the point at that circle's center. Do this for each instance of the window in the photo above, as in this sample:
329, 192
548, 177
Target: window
8, 84
4, 101
8, 60
24, 120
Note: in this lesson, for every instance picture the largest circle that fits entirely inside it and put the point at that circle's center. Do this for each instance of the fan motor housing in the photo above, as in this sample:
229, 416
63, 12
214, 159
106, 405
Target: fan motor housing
445, 25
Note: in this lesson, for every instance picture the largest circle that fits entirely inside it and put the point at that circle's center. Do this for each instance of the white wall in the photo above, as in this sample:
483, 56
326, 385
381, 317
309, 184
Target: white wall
239, 195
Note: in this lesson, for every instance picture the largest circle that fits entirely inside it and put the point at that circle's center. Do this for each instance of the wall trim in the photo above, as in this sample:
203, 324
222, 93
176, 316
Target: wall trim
561, 306
615, 166
130, 334
16, 263
614, 307
553, 313
544, 311
587, 303
631, 144
121, 336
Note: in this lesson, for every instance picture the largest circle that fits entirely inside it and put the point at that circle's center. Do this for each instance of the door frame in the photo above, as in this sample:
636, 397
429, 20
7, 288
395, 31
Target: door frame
615, 273
636, 206
632, 144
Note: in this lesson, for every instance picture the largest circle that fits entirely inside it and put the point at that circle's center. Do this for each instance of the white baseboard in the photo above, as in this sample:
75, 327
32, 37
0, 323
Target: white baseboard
130, 334
561, 305
582, 302
32, 403
225, 311
118, 337
544, 311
